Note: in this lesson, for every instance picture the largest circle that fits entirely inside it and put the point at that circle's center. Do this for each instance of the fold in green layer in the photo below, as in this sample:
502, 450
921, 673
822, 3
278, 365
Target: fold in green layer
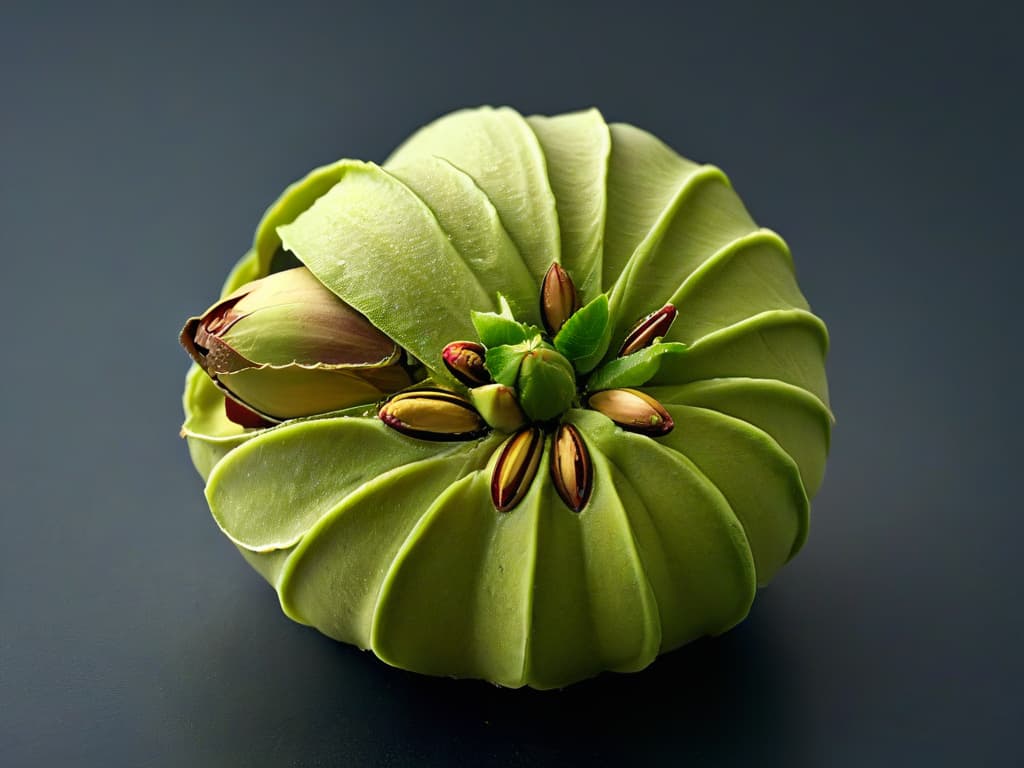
326, 460
334, 577
577, 148
471, 222
760, 481
785, 345
380, 247
499, 151
797, 420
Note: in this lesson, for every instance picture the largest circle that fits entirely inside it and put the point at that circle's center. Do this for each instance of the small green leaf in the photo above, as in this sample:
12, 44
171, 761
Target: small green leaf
496, 330
584, 337
636, 369
503, 362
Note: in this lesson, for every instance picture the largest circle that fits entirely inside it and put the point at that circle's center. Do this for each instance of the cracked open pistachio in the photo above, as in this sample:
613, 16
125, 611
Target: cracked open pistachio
647, 329
557, 298
515, 460
516, 467
465, 361
571, 470
633, 410
433, 414
285, 346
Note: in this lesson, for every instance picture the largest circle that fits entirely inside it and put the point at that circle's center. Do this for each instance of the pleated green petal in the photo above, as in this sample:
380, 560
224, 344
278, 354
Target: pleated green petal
593, 605
456, 600
378, 246
294, 200
269, 565
257, 511
703, 217
693, 548
497, 148
576, 147
750, 275
333, 579
472, 223
644, 176
797, 420
787, 345
758, 479
210, 434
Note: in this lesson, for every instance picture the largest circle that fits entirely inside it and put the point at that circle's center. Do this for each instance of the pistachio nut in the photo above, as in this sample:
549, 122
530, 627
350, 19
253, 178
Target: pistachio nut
465, 360
433, 414
571, 469
647, 329
516, 466
285, 346
633, 410
557, 298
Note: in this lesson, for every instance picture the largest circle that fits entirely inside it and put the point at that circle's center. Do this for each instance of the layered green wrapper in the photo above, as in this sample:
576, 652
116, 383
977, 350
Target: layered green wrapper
394, 543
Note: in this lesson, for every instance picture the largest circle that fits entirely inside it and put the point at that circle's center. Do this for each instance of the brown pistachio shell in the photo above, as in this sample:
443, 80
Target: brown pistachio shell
571, 469
465, 360
516, 467
558, 298
433, 414
633, 410
647, 329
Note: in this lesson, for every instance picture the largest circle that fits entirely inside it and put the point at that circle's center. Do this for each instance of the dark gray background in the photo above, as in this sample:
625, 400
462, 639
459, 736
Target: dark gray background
139, 145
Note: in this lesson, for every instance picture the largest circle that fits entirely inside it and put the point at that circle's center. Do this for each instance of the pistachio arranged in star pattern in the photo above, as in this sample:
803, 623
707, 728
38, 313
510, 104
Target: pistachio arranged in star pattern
521, 380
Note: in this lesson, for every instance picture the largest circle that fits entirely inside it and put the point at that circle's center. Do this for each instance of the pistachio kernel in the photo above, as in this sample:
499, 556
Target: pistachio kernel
571, 469
465, 360
433, 414
516, 467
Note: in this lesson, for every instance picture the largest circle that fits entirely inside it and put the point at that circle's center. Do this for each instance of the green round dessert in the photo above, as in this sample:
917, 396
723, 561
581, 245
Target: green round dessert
533, 400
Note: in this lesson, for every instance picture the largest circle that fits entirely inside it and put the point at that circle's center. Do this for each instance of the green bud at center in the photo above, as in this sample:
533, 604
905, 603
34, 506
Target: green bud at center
542, 377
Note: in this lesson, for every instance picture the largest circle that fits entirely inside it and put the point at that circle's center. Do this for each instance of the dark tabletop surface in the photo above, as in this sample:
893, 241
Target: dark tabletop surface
140, 144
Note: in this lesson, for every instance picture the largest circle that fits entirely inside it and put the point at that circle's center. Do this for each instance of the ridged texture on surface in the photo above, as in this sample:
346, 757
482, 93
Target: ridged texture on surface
393, 544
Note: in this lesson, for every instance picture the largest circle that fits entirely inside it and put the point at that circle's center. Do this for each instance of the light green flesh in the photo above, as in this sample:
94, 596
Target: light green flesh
295, 199
797, 420
470, 220
576, 147
643, 177
758, 479
694, 550
269, 565
333, 579
210, 434
259, 511
750, 275
704, 217
393, 543
454, 601
787, 345
497, 148
381, 249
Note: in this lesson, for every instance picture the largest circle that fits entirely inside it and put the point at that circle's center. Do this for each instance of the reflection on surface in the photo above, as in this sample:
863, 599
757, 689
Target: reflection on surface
265, 691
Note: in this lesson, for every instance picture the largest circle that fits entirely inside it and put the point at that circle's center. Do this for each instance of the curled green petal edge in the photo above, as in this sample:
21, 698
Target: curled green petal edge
394, 544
